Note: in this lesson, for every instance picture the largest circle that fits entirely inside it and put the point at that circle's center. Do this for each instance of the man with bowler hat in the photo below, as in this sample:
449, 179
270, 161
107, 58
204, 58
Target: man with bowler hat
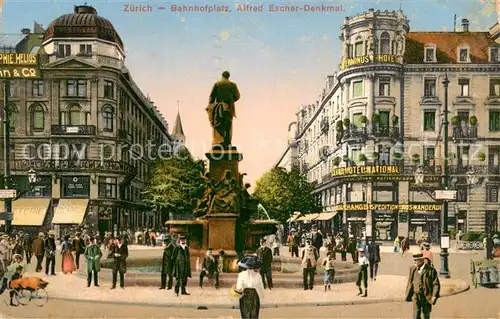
423, 287
50, 254
310, 256
119, 252
182, 266
167, 266
265, 256
38, 250
93, 256
316, 238
79, 248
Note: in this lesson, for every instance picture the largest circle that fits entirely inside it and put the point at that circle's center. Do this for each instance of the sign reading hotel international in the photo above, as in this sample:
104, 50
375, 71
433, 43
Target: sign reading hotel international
19, 66
366, 170
402, 207
365, 59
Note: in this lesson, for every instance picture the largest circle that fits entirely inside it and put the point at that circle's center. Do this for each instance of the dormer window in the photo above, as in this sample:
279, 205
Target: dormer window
494, 55
64, 50
86, 49
430, 54
463, 55
358, 49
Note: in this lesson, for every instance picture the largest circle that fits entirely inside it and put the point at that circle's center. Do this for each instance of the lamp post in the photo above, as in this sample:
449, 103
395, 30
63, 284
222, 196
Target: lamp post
32, 177
6, 154
446, 180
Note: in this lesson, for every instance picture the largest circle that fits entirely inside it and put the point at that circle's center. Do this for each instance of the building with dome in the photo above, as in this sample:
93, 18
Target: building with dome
372, 143
84, 128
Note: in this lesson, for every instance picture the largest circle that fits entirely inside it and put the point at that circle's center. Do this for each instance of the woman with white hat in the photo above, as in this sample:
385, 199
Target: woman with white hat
249, 286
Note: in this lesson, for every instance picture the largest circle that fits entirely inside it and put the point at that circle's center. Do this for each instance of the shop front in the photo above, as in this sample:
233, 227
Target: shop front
356, 221
385, 225
424, 223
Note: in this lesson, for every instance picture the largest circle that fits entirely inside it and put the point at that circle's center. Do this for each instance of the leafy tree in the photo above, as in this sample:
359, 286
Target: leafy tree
175, 184
282, 193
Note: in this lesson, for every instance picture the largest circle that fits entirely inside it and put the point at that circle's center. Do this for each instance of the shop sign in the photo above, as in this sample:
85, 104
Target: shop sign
367, 170
19, 66
379, 58
403, 207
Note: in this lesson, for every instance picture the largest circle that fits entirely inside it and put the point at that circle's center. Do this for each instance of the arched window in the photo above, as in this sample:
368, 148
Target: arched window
108, 118
385, 43
37, 118
74, 115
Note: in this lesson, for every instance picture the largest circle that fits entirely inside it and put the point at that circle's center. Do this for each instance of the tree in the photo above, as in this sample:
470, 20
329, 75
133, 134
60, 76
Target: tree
175, 184
282, 193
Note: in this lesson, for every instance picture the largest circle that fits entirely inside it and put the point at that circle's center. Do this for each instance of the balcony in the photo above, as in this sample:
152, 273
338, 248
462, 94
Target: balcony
73, 130
465, 133
354, 135
324, 125
386, 132
124, 136
69, 166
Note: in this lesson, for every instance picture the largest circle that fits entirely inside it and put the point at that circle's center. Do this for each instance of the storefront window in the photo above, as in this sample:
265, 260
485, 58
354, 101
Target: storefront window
356, 192
385, 192
108, 187
385, 225
75, 186
42, 188
424, 224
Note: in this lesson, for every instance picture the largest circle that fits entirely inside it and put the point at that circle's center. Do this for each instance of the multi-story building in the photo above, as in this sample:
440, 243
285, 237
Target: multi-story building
373, 141
86, 128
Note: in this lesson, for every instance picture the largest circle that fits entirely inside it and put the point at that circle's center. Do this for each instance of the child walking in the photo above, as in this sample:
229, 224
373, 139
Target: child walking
363, 273
329, 264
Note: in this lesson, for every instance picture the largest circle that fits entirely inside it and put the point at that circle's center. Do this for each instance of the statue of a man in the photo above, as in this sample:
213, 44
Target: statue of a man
221, 110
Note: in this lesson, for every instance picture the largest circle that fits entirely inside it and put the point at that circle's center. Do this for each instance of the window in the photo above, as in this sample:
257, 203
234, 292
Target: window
64, 50
74, 115
429, 120
463, 55
430, 87
37, 118
384, 86
494, 54
357, 89
356, 119
429, 155
385, 43
37, 88
350, 51
108, 187
358, 49
494, 121
109, 89
77, 152
108, 118
491, 221
86, 49
76, 87
495, 87
14, 88
383, 119
464, 85
492, 193
430, 54
464, 117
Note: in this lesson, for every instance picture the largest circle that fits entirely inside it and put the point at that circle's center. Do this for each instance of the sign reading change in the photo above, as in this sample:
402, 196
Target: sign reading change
19, 66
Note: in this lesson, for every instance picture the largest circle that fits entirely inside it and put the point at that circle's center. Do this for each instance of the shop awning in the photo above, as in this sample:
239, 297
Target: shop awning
28, 211
326, 216
308, 217
70, 211
293, 218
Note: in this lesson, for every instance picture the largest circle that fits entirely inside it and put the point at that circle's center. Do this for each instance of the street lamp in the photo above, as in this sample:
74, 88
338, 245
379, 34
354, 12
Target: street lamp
446, 179
32, 176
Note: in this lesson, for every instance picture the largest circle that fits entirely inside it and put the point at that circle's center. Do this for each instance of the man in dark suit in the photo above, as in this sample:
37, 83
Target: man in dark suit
423, 287
79, 248
27, 246
119, 252
265, 255
210, 268
50, 254
167, 266
374, 258
182, 266
316, 238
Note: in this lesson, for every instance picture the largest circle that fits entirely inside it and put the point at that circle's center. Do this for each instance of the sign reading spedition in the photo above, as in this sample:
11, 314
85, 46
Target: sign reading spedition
365, 59
403, 207
19, 66
366, 170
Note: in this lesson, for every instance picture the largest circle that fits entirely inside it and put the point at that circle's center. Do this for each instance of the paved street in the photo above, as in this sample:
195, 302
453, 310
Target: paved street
476, 303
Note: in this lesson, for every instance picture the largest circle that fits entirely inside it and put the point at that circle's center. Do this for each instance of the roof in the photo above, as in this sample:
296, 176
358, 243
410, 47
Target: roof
9, 42
85, 23
447, 44
178, 130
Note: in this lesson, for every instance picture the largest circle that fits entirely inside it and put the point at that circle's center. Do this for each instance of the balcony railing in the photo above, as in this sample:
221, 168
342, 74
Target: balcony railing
40, 165
386, 131
466, 133
353, 134
73, 130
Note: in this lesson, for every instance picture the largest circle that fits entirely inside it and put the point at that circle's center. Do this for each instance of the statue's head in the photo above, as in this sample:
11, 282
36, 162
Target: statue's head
226, 75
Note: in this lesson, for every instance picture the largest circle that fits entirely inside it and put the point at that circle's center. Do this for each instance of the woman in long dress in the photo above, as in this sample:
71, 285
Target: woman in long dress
250, 286
68, 262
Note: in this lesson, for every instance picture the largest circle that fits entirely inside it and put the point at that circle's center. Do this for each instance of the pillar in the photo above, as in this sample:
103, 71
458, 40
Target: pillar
403, 215
369, 212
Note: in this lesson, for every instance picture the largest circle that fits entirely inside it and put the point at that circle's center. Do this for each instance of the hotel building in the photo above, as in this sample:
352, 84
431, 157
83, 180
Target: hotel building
84, 127
373, 142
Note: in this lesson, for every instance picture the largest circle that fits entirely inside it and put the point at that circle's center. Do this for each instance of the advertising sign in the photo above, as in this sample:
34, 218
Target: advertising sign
366, 170
365, 59
403, 207
19, 66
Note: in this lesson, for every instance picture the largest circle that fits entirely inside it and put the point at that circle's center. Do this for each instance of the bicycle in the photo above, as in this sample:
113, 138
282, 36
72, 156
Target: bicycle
31, 289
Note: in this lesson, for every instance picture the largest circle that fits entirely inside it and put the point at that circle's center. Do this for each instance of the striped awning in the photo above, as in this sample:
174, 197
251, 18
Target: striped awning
28, 211
326, 216
70, 211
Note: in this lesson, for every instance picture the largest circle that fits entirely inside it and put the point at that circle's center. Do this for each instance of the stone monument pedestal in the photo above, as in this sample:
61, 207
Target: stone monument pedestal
221, 235
221, 160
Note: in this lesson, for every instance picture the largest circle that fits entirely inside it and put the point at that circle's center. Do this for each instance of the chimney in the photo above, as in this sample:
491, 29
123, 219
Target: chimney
25, 31
465, 25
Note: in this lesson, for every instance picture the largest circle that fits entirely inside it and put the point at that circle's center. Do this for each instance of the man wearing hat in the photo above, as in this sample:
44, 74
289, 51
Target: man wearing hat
249, 285
93, 255
182, 266
50, 254
316, 238
423, 287
167, 266
309, 257
39, 250
265, 256
426, 252
79, 248
293, 243
210, 268
363, 272
27, 242
119, 252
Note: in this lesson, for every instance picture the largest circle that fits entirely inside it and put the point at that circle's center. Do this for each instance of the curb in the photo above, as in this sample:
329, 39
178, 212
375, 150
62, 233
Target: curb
463, 287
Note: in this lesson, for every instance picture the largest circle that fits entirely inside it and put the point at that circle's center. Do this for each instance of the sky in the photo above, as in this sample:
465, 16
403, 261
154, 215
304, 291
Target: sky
278, 59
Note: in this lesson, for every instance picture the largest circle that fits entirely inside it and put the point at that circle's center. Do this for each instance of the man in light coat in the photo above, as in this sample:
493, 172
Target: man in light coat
93, 255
